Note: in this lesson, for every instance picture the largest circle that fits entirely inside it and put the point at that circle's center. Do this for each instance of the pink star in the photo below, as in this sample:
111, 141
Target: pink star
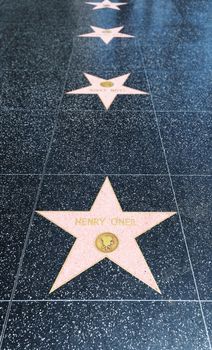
105, 232
106, 4
107, 90
107, 34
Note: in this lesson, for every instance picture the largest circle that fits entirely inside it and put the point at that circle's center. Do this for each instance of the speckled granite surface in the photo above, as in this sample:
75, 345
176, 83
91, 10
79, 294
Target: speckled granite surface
57, 149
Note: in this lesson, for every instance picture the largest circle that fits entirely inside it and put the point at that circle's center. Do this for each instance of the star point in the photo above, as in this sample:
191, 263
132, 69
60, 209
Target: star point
105, 231
107, 89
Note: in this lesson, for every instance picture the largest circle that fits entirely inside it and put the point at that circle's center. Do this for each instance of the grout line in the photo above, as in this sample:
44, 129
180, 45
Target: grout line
106, 300
103, 300
106, 174
111, 110
142, 111
124, 174
197, 175
206, 301
20, 174
34, 207
175, 199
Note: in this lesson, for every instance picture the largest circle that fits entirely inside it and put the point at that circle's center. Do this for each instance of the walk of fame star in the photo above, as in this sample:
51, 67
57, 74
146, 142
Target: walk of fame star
106, 34
107, 90
105, 232
106, 4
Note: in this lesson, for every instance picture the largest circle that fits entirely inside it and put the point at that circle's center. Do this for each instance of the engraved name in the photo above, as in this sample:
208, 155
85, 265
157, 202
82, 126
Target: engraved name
97, 221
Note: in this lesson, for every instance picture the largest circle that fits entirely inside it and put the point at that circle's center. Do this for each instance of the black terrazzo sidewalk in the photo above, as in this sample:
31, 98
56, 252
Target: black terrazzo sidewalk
57, 149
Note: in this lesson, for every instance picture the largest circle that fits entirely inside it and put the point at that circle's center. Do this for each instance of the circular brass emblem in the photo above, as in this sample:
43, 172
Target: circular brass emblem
107, 242
106, 84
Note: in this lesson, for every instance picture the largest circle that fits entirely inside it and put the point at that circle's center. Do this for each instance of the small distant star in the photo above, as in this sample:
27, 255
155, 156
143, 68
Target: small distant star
106, 4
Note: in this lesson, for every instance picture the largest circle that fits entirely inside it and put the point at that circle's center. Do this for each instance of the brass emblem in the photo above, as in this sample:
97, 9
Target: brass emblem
107, 242
106, 31
106, 84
